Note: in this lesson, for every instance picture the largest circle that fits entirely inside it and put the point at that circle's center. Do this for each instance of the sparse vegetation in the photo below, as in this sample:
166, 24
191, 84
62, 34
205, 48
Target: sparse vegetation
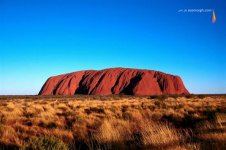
113, 122
45, 143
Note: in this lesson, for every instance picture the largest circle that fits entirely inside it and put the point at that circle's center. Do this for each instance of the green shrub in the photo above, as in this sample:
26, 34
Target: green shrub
46, 143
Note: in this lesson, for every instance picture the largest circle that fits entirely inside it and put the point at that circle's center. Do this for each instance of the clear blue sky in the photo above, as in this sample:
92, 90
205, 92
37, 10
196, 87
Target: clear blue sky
41, 38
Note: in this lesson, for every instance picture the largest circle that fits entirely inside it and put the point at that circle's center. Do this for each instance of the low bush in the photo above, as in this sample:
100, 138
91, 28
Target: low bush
46, 143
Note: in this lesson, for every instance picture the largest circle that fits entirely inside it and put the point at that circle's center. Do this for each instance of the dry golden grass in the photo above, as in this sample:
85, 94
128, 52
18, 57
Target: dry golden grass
114, 122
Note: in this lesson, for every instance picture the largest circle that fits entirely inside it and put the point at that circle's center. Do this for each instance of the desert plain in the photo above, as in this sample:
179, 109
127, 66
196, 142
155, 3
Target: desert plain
113, 122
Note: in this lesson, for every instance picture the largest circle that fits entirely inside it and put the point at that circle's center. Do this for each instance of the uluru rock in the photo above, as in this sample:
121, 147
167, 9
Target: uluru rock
114, 81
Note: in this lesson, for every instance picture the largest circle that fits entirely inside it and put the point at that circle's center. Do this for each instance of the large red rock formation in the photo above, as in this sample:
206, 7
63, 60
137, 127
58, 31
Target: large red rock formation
114, 81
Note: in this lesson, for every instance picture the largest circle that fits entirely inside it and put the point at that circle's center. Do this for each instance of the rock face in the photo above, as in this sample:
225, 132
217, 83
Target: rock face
114, 81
